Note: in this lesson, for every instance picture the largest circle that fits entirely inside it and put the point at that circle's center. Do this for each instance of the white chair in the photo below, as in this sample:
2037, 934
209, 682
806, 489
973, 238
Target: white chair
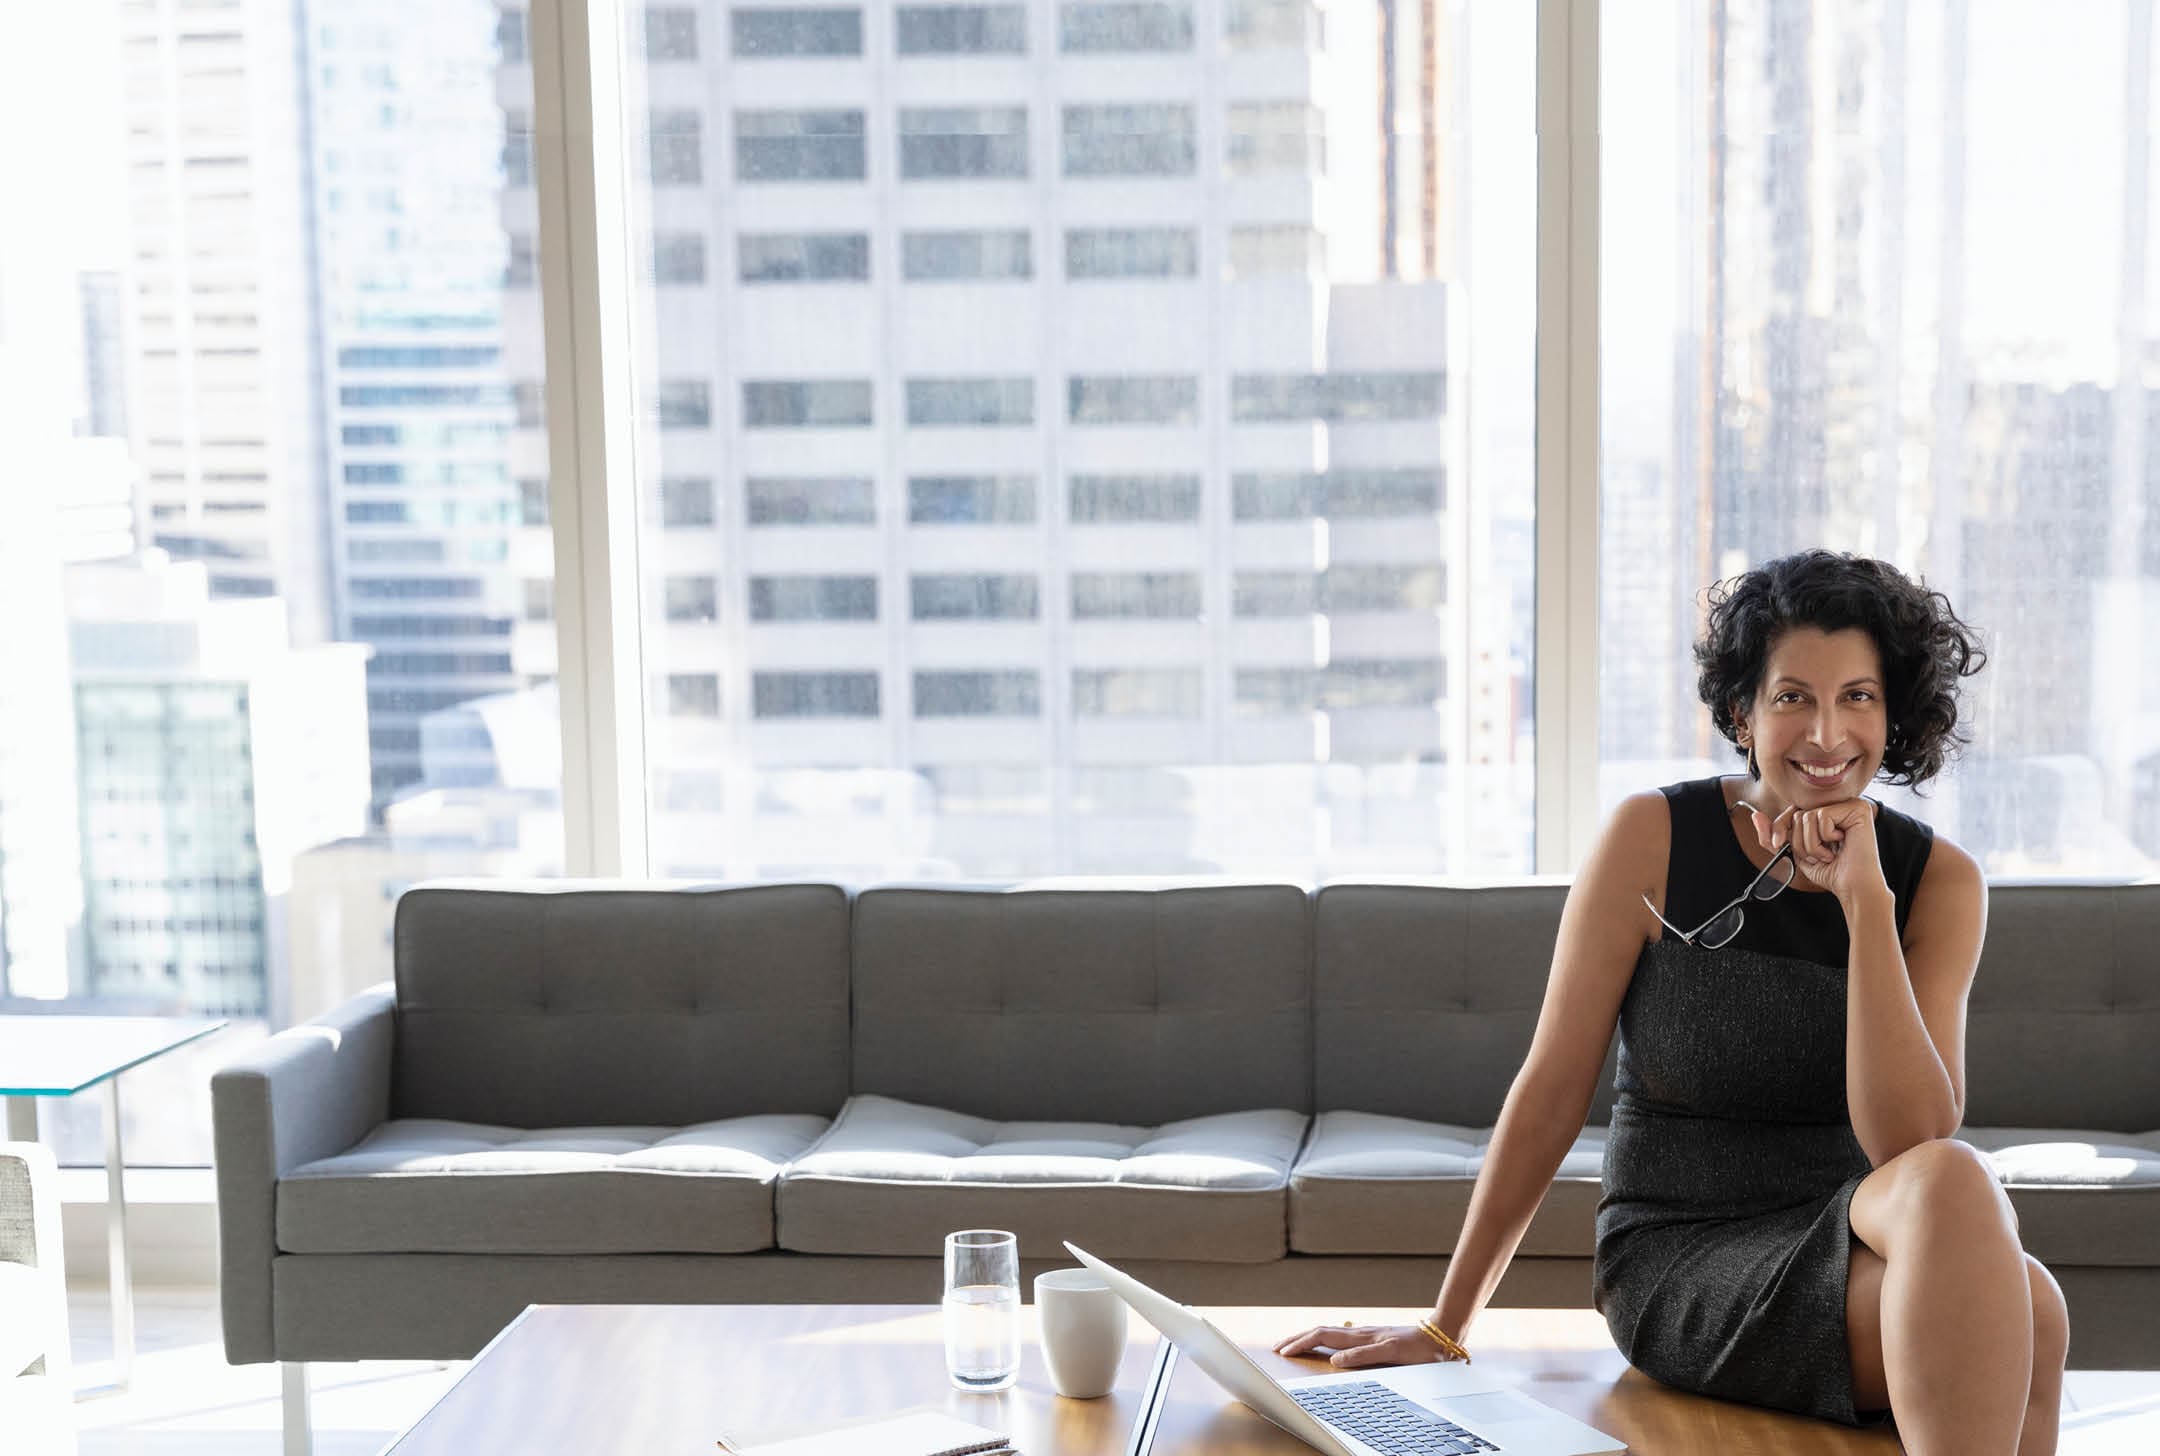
37, 1394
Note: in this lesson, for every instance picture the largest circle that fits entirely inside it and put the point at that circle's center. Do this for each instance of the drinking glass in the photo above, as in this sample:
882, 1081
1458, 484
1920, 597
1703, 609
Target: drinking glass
982, 1309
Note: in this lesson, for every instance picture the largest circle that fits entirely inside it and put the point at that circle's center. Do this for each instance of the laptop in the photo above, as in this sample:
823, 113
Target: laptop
1404, 1410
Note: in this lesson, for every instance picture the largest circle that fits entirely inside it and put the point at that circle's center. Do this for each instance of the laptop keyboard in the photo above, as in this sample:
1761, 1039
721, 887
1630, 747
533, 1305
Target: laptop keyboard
1386, 1421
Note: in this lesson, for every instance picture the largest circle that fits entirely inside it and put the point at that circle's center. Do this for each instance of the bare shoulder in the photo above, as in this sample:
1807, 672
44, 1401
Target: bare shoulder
1627, 862
1949, 914
1633, 845
1603, 927
1950, 863
1952, 893
1642, 809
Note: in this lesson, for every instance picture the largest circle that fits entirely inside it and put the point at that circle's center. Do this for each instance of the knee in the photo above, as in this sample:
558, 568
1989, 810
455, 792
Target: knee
2051, 1320
1944, 1181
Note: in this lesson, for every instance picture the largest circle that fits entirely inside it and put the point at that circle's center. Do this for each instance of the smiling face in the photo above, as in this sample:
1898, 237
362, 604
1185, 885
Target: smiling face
1818, 724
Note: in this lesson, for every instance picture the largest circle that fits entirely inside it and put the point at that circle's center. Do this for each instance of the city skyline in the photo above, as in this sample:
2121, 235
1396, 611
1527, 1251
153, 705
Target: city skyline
1128, 469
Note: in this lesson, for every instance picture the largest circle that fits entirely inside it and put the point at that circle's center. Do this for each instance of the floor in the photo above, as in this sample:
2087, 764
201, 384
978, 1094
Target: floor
186, 1401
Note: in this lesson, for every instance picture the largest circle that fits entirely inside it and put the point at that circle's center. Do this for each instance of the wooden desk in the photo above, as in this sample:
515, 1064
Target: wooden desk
1562, 1357
668, 1380
661, 1379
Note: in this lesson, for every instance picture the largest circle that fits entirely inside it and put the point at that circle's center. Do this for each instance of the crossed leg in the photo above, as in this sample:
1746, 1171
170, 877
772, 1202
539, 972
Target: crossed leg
1951, 1324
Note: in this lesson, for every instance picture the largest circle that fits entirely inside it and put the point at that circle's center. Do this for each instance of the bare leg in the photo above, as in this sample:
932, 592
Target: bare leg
1957, 1313
2051, 1346
2051, 1350
1863, 1328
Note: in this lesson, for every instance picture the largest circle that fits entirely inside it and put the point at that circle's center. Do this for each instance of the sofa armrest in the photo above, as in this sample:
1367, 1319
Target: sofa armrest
309, 1092
30, 1236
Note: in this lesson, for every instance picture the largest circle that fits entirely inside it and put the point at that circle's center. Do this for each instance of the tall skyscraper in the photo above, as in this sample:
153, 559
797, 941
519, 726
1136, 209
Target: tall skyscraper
410, 147
226, 413
212, 753
1057, 457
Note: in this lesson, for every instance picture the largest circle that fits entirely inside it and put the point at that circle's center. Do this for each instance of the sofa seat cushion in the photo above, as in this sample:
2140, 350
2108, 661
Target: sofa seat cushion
2090, 1198
895, 1177
1368, 1184
26, 1317
417, 1186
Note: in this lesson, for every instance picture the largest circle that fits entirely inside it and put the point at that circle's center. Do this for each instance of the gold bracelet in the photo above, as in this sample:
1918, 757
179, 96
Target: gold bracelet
1447, 1345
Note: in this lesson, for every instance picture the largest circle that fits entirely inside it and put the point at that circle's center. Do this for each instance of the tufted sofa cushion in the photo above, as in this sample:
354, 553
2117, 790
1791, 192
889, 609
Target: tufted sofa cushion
895, 1177
424, 1186
569, 1004
1425, 997
2065, 1009
2081, 1197
1127, 1006
1368, 1184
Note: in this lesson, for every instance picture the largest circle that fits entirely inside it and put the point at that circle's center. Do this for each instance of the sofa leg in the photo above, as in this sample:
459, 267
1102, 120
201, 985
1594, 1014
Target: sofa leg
299, 1433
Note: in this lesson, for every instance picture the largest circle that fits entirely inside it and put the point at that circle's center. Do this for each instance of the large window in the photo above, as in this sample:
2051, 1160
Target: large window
274, 552
1137, 430
1080, 437
1888, 289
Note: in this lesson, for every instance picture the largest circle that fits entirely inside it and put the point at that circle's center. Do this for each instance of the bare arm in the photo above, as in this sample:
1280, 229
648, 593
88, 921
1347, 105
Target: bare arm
1602, 930
1905, 1005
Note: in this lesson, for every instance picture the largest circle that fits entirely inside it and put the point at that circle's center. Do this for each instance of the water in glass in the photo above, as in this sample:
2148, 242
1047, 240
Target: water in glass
982, 1336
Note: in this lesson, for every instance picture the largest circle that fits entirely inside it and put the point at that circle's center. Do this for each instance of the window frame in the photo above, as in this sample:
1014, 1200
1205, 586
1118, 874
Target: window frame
583, 170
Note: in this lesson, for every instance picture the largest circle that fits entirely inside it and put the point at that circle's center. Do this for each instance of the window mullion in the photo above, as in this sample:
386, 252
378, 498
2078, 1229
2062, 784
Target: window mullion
585, 207
1567, 432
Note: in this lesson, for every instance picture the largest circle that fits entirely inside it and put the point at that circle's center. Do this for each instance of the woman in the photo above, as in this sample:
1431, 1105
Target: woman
1786, 1219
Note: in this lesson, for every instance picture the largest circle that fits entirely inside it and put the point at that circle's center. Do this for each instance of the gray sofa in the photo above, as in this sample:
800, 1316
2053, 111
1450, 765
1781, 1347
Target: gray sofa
578, 1092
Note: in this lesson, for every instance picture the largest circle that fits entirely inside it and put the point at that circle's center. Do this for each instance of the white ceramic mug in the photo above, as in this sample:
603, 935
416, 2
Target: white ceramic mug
1083, 1331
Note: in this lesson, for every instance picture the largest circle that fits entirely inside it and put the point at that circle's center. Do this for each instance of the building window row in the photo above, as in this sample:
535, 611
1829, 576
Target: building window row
963, 256
441, 472
372, 627
448, 513
760, 32
1417, 683
774, 404
966, 143
1256, 498
1094, 595
419, 356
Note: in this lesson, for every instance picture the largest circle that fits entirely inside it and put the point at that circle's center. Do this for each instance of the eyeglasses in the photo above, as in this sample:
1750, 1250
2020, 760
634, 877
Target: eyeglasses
1769, 882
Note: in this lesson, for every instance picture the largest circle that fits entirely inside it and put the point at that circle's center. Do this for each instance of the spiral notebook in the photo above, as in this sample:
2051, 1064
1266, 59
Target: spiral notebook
917, 1433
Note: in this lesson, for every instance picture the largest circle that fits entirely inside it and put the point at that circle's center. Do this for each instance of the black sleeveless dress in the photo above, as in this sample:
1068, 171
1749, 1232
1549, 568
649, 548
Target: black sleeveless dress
1722, 1240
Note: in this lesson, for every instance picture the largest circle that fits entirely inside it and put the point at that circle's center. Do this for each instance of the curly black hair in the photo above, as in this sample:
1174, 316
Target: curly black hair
1925, 647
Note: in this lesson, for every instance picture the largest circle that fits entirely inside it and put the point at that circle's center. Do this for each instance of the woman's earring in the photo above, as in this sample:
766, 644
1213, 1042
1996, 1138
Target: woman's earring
1754, 769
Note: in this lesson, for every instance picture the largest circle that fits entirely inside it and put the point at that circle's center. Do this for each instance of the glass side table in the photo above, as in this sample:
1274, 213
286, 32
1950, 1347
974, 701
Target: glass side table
59, 1056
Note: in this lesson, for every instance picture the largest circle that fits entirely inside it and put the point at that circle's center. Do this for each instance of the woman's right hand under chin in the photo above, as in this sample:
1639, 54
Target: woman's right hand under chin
1349, 1347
